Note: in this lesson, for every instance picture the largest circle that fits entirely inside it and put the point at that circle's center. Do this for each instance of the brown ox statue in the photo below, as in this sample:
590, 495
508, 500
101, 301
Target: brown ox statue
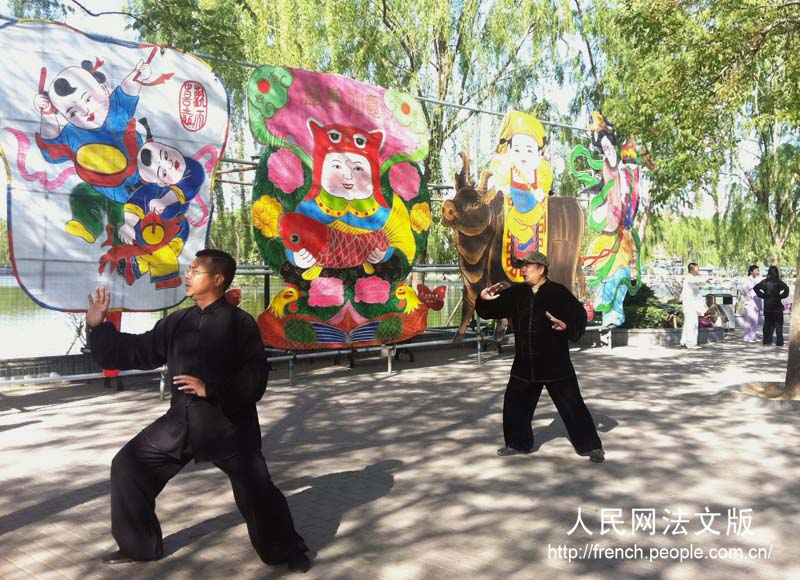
476, 217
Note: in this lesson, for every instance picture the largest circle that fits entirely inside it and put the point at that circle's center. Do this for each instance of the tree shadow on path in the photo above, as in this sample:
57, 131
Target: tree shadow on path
556, 428
317, 509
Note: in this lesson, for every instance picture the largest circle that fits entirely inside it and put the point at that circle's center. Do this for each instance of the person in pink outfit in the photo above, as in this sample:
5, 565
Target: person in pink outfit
752, 304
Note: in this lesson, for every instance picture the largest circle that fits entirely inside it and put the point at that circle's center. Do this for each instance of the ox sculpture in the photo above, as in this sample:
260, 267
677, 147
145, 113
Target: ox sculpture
476, 216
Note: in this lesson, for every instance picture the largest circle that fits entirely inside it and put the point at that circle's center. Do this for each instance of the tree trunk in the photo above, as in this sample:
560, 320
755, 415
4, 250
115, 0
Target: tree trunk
793, 366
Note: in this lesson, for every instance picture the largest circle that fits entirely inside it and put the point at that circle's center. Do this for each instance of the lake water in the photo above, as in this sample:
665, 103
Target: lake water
45, 332
28, 330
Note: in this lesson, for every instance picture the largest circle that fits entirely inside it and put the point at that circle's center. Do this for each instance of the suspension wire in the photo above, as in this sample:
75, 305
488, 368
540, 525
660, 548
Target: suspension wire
254, 66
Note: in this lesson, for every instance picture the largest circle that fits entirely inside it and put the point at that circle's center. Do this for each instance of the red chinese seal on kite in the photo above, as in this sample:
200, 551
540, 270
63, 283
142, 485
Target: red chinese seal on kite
193, 105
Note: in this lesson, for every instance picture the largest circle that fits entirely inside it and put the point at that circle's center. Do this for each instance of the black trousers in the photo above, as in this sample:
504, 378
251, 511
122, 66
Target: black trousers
773, 321
140, 471
519, 405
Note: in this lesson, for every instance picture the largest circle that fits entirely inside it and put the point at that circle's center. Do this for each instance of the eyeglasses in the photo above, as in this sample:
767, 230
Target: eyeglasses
193, 271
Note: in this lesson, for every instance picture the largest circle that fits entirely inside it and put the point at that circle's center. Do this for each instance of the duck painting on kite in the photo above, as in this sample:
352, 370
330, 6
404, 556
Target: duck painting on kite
110, 150
340, 209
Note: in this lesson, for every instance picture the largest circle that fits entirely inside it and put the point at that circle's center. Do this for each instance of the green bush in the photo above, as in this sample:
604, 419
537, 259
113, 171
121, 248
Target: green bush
647, 317
645, 310
644, 297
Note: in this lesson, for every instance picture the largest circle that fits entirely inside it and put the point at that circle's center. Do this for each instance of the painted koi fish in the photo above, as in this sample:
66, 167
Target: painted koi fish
330, 247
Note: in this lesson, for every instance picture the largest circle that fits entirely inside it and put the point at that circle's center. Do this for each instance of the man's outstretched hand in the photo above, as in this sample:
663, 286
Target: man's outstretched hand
98, 307
492, 292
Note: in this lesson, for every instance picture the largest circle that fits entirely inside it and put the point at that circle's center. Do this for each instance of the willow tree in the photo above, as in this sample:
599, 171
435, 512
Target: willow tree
468, 52
710, 75
475, 53
609, 75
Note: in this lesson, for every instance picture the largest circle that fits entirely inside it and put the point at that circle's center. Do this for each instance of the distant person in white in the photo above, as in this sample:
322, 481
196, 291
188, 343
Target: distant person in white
692, 305
752, 304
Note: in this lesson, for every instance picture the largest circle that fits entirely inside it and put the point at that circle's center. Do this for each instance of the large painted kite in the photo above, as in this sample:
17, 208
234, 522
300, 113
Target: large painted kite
616, 181
522, 176
110, 150
511, 212
340, 209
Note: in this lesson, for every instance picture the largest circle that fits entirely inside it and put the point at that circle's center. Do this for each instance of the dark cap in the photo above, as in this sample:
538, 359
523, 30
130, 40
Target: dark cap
534, 257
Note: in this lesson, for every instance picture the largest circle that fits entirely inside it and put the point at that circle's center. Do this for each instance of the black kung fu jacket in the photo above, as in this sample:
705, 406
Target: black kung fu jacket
542, 354
219, 344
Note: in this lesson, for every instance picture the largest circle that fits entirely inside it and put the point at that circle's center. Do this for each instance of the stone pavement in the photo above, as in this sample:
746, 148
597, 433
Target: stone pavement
396, 477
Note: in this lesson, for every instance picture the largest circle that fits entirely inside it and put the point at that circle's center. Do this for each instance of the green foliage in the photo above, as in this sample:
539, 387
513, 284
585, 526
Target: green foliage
441, 245
567, 184
472, 52
643, 297
697, 83
647, 317
737, 237
231, 229
52, 9
201, 27
692, 238
650, 91
645, 310
15, 299
697, 80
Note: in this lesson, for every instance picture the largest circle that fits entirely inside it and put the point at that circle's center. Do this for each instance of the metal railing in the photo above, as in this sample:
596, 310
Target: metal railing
37, 360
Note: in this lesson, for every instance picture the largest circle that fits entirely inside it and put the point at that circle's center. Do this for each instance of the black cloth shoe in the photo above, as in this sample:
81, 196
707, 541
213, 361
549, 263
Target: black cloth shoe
506, 451
595, 455
120, 557
299, 562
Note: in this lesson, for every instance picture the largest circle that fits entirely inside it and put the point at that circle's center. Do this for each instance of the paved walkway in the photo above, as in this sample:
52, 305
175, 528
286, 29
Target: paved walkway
396, 477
